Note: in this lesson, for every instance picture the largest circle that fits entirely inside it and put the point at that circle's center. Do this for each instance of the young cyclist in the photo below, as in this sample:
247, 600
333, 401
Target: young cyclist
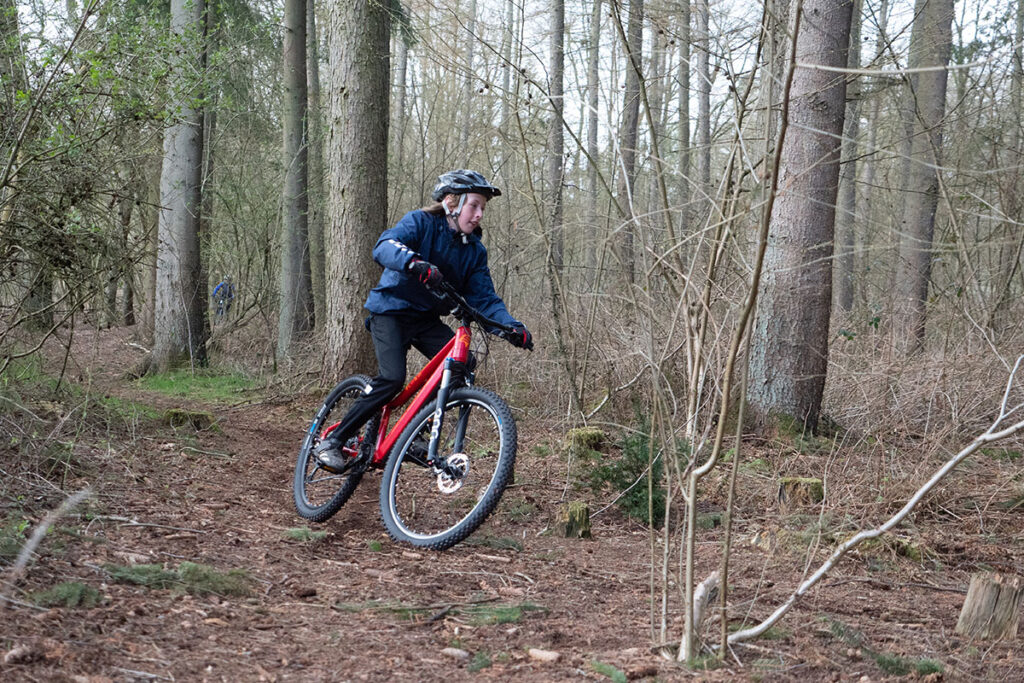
439, 243
223, 294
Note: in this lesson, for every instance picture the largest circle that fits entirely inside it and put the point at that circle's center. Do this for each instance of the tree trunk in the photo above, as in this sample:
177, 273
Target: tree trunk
295, 316
846, 216
628, 136
684, 119
315, 194
656, 93
210, 95
401, 91
357, 200
178, 324
1012, 249
556, 135
593, 85
467, 86
871, 160
39, 298
789, 351
150, 198
703, 98
125, 206
930, 46
991, 609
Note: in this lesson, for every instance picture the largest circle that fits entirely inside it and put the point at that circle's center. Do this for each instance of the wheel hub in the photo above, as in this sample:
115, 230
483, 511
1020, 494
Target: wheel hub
453, 473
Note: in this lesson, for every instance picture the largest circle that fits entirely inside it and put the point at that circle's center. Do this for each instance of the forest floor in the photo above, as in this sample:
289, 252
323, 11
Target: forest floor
128, 593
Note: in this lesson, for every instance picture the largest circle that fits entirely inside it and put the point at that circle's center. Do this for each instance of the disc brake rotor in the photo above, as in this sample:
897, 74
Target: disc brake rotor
456, 467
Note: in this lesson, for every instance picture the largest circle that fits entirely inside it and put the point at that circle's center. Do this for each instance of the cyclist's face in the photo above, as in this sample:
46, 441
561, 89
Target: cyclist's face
472, 212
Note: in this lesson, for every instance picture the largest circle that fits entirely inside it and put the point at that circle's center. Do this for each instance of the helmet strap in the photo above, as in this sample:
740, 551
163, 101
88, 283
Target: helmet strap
458, 209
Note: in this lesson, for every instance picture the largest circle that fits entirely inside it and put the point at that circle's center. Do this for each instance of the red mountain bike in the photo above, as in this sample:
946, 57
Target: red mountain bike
446, 461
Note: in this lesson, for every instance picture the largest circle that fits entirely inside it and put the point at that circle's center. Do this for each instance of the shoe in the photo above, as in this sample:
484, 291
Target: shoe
329, 456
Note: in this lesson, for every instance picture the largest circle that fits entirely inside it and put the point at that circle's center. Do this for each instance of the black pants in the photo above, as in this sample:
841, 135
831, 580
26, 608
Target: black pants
392, 337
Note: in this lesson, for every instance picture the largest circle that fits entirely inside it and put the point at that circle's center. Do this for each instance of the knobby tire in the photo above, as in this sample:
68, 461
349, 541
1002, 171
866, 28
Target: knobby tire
319, 494
414, 507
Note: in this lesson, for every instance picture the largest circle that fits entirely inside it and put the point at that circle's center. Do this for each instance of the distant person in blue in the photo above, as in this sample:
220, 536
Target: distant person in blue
223, 295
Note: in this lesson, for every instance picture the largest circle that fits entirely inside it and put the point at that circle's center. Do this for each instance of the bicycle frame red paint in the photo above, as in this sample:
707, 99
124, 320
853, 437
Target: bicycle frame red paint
425, 382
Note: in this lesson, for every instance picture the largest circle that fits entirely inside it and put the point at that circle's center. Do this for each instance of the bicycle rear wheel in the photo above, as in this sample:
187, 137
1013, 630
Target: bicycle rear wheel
318, 493
477, 448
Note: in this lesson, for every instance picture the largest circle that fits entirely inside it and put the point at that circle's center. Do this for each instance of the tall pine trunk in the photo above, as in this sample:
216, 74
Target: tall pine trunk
930, 45
467, 85
357, 200
295, 315
789, 352
843, 270
628, 136
315, 188
556, 139
593, 85
703, 40
180, 304
684, 119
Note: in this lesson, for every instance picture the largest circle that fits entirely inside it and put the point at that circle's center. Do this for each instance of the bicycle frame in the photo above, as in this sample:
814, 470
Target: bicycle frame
435, 375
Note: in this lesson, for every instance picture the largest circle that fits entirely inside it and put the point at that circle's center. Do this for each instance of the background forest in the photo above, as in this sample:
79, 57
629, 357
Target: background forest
795, 221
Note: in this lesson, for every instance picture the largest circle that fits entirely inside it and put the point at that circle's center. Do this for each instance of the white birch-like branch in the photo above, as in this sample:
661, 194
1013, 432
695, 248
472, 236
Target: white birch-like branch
998, 430
37, 536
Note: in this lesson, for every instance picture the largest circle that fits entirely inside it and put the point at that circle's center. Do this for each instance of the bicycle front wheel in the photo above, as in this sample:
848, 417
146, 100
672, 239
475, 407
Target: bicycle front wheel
437, 506
319, 493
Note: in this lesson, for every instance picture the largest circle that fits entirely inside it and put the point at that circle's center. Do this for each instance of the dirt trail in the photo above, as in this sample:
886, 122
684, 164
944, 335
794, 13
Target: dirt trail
355, 606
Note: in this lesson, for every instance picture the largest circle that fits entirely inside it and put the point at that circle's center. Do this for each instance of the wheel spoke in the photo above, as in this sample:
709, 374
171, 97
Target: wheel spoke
438, 506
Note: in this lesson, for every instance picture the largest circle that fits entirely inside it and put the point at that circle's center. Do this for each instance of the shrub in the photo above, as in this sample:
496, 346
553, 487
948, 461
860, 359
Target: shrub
628, 475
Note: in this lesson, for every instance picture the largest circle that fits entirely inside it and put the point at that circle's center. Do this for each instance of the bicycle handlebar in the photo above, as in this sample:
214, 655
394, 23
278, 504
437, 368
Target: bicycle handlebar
462, 310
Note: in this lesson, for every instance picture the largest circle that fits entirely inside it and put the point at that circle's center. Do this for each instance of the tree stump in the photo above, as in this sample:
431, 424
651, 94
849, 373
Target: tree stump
795, 492
574, 520
991, 608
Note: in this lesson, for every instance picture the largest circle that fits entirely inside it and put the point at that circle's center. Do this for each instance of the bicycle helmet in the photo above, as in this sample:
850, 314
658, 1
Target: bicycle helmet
463, 181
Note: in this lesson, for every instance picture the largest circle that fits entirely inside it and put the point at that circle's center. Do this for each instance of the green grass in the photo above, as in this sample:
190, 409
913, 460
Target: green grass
889, 663
519, 511
127, 410
757, 466
201, 579
189, 577
925, 666
483, 614
146, 575
1002, 454
487, 614
304, 534
708, 520
608, 671
375, 546
481, 660
12, 537
203, 385
68, 594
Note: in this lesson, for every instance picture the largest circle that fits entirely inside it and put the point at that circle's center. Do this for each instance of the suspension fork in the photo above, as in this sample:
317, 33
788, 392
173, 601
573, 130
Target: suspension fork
459, 355
438, 419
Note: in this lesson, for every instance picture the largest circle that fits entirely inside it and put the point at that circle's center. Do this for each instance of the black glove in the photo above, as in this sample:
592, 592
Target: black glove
520, 337
426, 272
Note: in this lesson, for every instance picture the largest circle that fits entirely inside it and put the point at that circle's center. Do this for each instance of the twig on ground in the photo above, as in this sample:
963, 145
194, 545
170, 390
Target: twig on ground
18, 569
995, 432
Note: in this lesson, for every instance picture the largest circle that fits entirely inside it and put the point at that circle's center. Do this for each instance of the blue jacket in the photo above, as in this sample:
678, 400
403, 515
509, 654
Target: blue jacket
229, 290
463, 263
